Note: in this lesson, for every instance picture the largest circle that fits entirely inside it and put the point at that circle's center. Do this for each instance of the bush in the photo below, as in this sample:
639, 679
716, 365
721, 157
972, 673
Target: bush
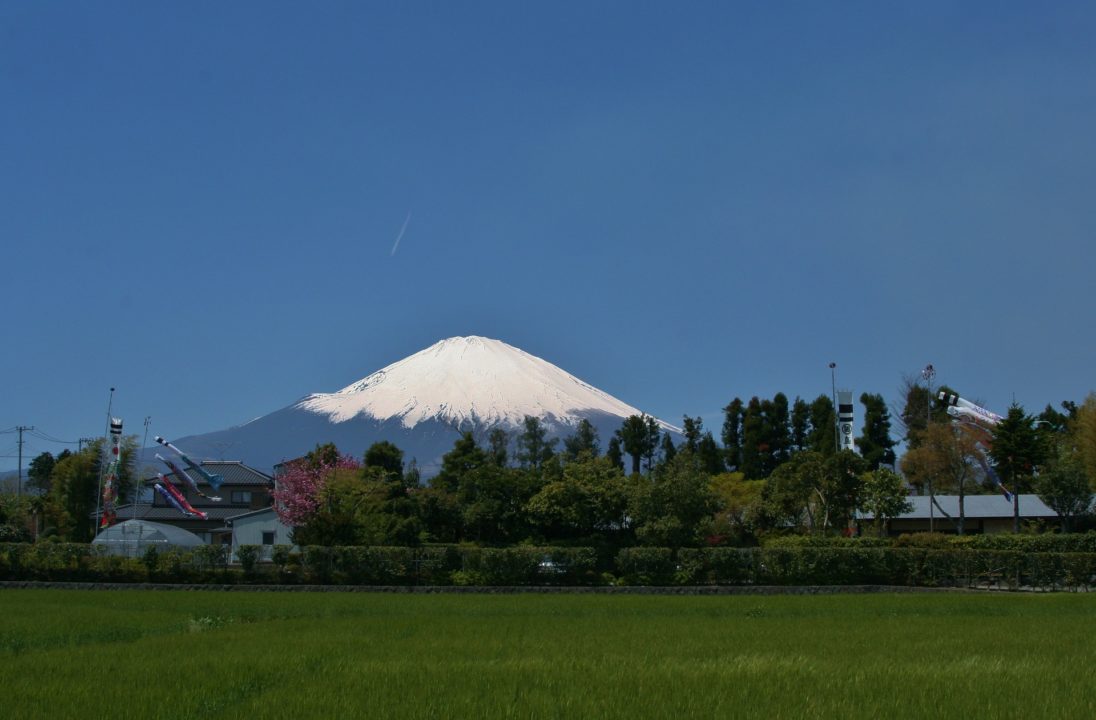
248, 555
646, 566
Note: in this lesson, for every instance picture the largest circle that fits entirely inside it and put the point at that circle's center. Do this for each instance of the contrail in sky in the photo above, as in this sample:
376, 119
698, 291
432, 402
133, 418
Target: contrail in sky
400, 236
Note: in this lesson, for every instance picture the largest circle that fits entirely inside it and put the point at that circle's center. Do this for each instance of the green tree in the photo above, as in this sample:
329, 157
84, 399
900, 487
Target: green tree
778, 429
823, 435
755, 448
386, 456
667, 448
732, 433
74, 489
1084, 436
583, 441
492, 502
39, 472
883, 497
534, 449
675, 507
498, 445
634, 439
814, 491
1064, 488
463, 458
709, 455
875, 443
1017, 452
588, 503
738, 507
948, 458
614, 452
800, 425
693, 429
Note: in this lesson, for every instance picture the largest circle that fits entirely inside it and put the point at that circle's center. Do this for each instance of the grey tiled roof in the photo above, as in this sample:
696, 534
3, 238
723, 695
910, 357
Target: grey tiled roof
235, 473
152, 512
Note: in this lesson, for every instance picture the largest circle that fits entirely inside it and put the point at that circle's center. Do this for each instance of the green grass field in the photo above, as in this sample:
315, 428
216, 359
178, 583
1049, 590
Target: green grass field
82, 654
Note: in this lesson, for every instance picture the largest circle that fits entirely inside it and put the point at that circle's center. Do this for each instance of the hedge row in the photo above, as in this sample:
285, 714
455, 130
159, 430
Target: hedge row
1039, 543
454, 565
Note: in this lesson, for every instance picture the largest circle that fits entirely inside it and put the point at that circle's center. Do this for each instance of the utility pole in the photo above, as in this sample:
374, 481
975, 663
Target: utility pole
929, 373
833, 389
81, 442
21, 429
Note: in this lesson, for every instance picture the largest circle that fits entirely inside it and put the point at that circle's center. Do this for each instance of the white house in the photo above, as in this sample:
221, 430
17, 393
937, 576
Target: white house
258, 527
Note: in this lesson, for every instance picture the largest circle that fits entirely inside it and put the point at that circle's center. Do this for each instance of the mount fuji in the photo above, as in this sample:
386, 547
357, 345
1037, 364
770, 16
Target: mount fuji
422, 404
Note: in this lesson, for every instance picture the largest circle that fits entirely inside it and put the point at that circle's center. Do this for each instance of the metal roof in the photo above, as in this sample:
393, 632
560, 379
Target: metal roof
974, 506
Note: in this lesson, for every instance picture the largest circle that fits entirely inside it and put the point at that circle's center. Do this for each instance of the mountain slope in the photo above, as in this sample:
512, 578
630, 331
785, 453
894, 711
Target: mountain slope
421, 404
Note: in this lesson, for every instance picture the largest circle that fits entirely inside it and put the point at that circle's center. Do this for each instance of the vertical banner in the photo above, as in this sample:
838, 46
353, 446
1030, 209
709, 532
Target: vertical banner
844, 420
110, 484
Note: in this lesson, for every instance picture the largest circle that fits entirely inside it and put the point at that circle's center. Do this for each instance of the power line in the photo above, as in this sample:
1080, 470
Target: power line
45, 436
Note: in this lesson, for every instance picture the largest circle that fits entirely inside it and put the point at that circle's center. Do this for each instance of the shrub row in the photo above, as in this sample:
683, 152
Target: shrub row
454, 565
1043, 542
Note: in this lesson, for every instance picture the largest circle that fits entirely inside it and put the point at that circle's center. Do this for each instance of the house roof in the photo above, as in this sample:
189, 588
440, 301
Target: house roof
145, 511
234, 472
974, 506
249, 513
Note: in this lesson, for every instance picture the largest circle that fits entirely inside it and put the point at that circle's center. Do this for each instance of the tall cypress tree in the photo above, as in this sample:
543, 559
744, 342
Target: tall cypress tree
753, 441
732, 433
1017, 452
780, 439
800, 424
823, 436
875, 443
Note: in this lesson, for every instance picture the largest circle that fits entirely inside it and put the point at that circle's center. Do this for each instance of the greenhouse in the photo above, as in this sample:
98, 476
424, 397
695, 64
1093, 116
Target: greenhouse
132, 537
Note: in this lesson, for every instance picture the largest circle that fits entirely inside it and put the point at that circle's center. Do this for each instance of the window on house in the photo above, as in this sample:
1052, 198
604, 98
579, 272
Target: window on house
241, 496
268, 538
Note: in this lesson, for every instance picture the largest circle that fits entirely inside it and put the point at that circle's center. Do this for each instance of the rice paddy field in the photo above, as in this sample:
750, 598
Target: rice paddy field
161, 654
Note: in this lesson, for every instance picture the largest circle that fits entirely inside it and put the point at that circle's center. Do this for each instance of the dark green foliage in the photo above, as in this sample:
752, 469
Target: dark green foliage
615, 453
754, 447
646, 566
701, 445
635, 439
464, 457
673, 507
587, 503
248, 555
39, 472
387, 457
666, 448
875, 443
732, 433
492, 501
534, 449
1017, 452
823, 435
1053, 562
692, 428
709, 455
1064, 487
800, 425
498, 446
583, 441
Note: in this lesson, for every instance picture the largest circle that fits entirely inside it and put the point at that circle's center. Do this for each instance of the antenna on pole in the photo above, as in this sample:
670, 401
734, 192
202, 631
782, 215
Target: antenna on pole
99, 494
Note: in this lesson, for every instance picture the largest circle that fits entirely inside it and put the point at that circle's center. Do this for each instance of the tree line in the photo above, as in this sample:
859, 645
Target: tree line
775, 469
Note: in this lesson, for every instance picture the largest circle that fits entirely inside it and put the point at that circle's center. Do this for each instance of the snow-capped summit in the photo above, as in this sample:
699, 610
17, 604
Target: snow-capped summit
422, 403
465, 380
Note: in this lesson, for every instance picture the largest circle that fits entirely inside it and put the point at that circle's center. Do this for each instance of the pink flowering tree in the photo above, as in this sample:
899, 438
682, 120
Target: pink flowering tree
301, 484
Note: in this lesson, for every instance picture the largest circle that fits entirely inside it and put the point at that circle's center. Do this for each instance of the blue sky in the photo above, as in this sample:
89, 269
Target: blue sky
679, 203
